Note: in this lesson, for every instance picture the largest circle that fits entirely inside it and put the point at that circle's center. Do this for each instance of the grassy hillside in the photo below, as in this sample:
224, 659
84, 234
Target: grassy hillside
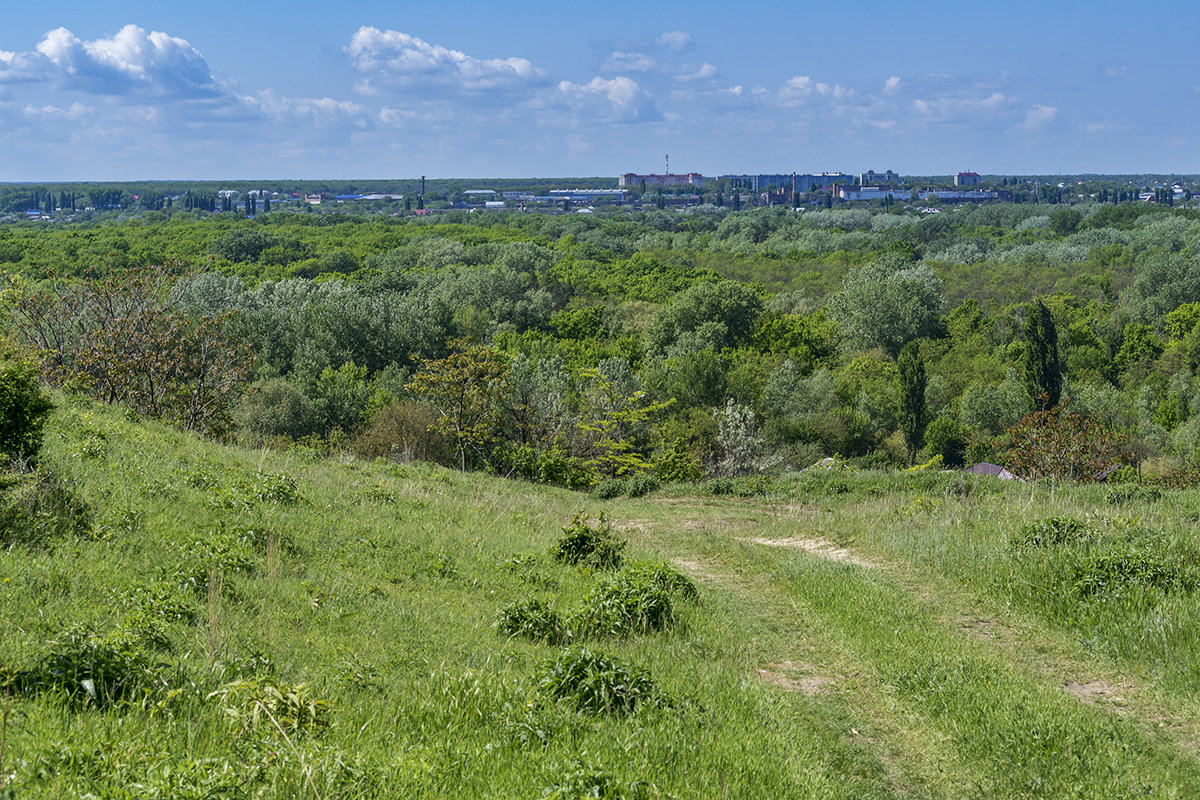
183, 619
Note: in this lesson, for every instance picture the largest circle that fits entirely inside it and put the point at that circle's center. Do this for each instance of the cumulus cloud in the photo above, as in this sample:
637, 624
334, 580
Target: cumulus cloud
628, 61
390, 58
705, 72
891, 85
802, 87
618, 100
1038, 116
132, 60
675, 40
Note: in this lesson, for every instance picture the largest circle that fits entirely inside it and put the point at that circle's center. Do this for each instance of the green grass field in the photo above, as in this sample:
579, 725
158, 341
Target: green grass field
203, 621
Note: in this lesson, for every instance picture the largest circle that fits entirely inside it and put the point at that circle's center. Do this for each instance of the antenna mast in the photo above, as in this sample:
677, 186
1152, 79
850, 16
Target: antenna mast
668, 158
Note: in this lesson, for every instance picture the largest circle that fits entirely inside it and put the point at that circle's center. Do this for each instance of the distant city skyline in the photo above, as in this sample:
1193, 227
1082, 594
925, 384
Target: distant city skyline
140, 90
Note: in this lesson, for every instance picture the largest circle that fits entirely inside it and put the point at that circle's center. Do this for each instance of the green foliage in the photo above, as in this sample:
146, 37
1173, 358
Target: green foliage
38, 509
609, 488
1123, 493
1061, 445
583, 544
914, 416
640, 484
265, 707
23, 409
532, 618
86, 669
1051, 532
595, 683
1116, 567
640, 598
888, 305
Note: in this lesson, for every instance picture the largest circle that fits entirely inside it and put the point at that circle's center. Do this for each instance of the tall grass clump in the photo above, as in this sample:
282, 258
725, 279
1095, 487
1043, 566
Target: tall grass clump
641, 598
595, 683
584, 544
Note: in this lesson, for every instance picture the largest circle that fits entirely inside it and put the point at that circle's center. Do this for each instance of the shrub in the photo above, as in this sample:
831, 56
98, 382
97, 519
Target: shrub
641, 484
403, 431
585, 545
1145, 563
609, 488
719, 486
1050, 532
262, 705
23, 409
1132, 492
84, 669
595, 683
274, 408
533, 618
37, 508
638, 599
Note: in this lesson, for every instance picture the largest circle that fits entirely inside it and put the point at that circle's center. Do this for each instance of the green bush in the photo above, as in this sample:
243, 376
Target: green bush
1120, 565
533, 618
83, 669
1132, 492
1050, 532
589, 545
641, 484
719, 486
638, 599
37, 508
609, 488
595, 683
23, 409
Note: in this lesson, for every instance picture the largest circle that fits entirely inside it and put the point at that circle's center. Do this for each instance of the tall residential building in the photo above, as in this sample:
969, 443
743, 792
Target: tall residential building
656, 181
966, 179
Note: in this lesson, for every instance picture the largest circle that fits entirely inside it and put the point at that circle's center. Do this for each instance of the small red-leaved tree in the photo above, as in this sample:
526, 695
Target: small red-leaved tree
1062, 445
126, 337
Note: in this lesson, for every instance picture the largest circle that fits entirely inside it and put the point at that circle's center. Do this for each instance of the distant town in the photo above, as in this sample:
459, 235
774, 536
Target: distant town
631, 191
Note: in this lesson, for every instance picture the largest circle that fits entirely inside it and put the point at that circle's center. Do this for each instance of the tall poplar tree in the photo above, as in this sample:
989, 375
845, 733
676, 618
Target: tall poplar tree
914, 416
1043, 370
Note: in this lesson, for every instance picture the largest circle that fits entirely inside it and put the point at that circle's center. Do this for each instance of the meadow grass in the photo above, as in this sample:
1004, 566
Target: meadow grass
280, 625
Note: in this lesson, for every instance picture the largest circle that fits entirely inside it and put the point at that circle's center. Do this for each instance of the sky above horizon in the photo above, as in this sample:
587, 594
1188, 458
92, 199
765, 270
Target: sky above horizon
366, 89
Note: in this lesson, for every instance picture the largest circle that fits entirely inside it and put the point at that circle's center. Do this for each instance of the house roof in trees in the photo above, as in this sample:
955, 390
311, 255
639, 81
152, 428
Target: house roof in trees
995, 470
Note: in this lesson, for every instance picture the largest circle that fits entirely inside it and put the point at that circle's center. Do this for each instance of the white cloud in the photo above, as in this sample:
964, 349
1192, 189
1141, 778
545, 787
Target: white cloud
802, 87
74, 112
1038, 116
618, 99
891, 85
1118, 71
392, 58
130, 61
628, 61
705, 72
675, 40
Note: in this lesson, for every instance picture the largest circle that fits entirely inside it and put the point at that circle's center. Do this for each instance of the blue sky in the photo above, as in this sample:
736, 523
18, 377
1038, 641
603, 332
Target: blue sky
367, 89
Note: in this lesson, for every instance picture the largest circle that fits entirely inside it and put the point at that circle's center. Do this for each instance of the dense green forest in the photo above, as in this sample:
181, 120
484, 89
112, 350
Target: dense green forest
578, 348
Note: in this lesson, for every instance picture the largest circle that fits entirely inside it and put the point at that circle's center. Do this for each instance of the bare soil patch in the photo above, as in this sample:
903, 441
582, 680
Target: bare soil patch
1095, 691
817, 547
794, 677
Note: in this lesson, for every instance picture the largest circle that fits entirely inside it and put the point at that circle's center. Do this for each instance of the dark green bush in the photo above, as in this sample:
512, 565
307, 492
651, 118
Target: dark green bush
37, 508
84, 669
595, 683
23, 409
1050, 532
589, 545
533, 618
1132, 492
638, 599
641, 484
609, 488
1147, 563
719, 486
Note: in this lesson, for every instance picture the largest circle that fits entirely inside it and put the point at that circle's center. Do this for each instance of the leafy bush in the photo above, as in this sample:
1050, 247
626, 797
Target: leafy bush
1132, 492
533, 618
586, 545
751, 485
265, 706
85, 669
23, 409
595, 683
719, 486
1145, 563
1050, 532
638, 599
609, 488
37, 508
641, 484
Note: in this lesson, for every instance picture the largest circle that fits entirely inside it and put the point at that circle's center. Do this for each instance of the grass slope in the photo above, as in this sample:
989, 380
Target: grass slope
266, 624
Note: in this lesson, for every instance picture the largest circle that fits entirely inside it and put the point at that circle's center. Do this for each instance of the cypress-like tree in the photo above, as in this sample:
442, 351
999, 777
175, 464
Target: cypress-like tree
1043, 370
914, 417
